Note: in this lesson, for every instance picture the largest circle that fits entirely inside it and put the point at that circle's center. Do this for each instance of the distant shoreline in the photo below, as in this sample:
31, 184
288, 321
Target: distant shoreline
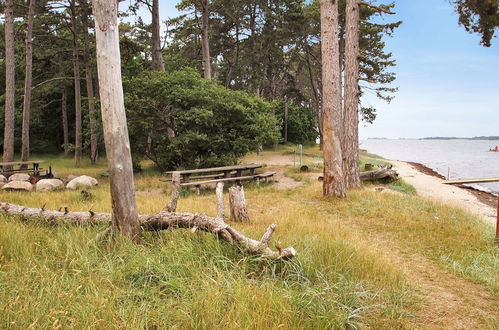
442, 138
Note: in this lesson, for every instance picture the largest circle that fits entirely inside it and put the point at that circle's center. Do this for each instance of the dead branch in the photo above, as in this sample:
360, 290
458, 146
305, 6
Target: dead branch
381, 9
160, 221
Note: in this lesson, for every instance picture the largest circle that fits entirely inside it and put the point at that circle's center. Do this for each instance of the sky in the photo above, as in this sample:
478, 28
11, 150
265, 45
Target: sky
448, 83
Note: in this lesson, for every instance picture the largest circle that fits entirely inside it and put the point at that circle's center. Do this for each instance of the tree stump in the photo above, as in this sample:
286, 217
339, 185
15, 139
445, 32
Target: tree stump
220, 200
238, 209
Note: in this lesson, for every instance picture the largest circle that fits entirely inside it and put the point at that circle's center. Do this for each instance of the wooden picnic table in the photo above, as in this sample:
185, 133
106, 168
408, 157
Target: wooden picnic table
224, 171
10, 167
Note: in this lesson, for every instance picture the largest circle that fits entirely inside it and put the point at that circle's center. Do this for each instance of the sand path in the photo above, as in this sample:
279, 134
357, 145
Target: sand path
432, 187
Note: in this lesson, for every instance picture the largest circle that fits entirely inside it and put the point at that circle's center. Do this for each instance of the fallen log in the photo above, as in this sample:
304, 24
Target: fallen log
385, 172
160, 221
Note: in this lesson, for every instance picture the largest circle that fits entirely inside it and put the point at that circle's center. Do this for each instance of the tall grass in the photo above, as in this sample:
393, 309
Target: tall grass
343, 277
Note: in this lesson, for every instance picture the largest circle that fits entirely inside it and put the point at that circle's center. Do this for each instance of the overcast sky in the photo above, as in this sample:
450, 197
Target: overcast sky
449, 84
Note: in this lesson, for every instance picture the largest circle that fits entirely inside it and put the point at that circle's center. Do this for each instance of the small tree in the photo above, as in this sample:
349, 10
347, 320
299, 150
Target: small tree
10, 67
125, 217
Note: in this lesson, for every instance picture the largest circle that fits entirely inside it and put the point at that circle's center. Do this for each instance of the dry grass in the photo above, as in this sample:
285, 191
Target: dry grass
346, 274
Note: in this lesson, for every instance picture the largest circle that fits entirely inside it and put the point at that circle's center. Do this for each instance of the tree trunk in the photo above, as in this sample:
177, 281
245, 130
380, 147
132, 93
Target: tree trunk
28, 82
205, 39
125, 217
351, 133
65, 129
10, 66
94, 148
157, 55
161, 221
286, 122
76, 72
238, 209
333, 184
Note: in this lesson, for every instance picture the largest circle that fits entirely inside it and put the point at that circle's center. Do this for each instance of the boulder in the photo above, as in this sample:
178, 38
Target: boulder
70, 177
18, 185
49, 185
83, 181
3, 179
19, 177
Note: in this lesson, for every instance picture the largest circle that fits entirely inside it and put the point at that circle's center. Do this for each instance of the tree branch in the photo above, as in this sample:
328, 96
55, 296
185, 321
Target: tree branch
381, 9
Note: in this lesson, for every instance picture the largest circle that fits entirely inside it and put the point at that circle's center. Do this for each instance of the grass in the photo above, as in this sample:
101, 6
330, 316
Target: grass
345, 276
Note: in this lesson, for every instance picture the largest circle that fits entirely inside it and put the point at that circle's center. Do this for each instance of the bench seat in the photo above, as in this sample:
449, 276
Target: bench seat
240, 178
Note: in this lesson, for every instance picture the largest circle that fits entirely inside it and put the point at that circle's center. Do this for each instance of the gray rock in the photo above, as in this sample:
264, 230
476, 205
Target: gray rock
70, 177
3, 179
49, 185
18, 185
83, 181
19, 177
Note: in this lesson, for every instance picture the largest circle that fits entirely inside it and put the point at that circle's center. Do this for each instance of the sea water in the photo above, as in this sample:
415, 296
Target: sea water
462, 159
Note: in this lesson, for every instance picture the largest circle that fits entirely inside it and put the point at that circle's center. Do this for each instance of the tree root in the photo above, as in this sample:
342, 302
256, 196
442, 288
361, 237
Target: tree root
161, 221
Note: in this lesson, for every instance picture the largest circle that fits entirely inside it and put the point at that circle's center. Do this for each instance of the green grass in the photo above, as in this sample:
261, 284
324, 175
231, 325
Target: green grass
345, 274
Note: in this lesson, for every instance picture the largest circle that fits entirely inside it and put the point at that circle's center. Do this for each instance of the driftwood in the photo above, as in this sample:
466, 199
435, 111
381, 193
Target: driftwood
160, 221
238, 209
386, 172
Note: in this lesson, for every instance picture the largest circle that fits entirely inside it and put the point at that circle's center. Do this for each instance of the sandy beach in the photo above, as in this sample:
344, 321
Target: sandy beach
432, 186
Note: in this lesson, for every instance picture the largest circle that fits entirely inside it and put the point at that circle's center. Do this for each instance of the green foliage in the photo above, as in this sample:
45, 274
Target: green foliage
212, 125
479, 16
302, 126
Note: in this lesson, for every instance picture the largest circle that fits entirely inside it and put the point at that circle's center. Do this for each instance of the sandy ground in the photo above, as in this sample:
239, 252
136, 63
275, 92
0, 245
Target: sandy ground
432, 187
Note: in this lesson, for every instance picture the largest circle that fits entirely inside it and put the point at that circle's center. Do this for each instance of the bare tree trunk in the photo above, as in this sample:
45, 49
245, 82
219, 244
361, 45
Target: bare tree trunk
76, 72
286, 122
125, 217
65, 129
206, 39
238, 209
157, 55
351, 134
10, 66
334, 184
28, 82
94, 148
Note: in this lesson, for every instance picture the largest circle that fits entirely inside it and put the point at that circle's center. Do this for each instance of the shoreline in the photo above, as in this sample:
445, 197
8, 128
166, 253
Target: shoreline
429, 184
484, 197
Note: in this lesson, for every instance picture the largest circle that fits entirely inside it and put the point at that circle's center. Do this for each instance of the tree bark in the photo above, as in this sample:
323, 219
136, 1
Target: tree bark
65, 129
76, 70
206, 39
352, 94
220, 200
161, 221
334, 184
27, 82
157, 54
125, 218
238, 209
10, 66
94, 148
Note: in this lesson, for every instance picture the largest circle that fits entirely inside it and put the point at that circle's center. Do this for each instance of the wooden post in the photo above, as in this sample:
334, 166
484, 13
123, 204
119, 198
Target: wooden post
220, 200
125, 218
238, 209
172, 205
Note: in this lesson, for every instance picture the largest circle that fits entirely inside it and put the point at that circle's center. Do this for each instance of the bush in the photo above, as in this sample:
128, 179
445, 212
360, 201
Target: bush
212, 126
302, 127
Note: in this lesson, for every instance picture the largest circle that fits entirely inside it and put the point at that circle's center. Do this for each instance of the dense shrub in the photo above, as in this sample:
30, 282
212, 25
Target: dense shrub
212, 125
302, 127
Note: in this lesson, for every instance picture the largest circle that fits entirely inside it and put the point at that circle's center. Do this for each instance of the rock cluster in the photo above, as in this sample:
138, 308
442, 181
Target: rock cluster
20, 182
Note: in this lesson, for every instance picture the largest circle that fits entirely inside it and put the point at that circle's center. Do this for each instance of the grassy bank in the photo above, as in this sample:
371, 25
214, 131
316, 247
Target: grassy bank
350, 271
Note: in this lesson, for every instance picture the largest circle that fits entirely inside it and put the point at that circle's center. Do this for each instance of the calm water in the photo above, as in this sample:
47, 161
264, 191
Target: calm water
465, 158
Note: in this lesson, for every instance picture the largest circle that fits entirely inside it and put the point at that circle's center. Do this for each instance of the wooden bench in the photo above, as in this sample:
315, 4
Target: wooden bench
208, 176
256, 177
7, 168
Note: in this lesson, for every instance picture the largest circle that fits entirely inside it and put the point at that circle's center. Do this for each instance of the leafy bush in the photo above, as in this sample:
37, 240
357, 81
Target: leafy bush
212, 126
302, 127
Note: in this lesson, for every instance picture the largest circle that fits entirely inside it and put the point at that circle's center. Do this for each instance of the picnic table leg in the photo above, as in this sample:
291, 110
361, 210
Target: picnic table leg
252, 171
36, 170
226, 174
